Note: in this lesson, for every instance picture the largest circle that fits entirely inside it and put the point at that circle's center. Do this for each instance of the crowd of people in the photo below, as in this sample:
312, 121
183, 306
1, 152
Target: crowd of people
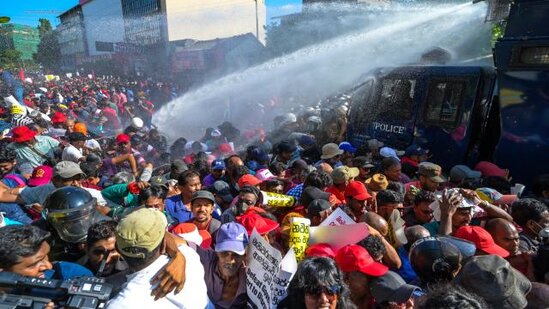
91, 188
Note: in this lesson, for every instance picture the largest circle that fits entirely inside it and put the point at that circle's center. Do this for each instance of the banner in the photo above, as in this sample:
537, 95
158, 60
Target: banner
339, 235
277, 200
299, 236
263, 266
288, 267
337, 217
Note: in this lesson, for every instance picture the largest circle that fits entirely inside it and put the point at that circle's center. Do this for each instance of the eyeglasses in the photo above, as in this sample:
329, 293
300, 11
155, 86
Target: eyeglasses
330, 291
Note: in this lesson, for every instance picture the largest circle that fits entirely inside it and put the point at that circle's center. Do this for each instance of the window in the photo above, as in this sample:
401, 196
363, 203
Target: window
397, 99
444, 102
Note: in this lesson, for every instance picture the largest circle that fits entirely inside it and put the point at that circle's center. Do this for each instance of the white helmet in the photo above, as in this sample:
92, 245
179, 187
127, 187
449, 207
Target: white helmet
137, 123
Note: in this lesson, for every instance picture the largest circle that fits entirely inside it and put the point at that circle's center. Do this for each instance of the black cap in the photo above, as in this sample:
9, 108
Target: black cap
77, 136
313, 193
286, 146
363, 162
317, 206
204, 195
391, 288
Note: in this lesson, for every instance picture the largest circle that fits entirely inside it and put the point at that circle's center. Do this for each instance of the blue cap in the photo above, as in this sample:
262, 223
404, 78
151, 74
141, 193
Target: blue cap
346, 146
260, 156
415, 150
218, 165
231, 237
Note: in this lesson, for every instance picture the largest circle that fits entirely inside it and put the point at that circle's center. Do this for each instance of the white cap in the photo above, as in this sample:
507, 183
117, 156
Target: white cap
137, 123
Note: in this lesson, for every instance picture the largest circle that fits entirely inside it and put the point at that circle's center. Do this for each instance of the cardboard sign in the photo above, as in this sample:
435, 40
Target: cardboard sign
339, 235
337, 217
299, 236
263, 266
288, 267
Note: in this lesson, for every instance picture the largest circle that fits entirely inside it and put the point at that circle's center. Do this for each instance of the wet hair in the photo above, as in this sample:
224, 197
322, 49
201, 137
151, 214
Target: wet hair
497, 183
276, 168
123, 177
374, 245
387, 163
183, 177
385, 197
527, 209
424, 196
100, 231
7, 155
450, 296
541, 183
312, 275
318, 179
19, 241
157, 191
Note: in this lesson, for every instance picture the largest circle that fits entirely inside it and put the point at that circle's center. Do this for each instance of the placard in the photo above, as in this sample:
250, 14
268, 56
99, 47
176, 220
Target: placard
263, 266
339, 235
299, 236
337, 217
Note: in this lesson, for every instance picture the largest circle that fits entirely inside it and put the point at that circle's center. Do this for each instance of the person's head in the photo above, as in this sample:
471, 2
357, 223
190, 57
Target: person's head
273, 185
222, 193
538, 296
218, 169
67, 173
414, 233
331, 153
505, 234
531, 214
450, 296
318, 179
230, 248
24, 250
92, 172
391, 168
391, 291
77, 139
284, 150
358, 268
278, 169
387, 201
435, 260
101, 245
123, 143
377, 222
422, 211
318, 283
248, 196
462, 173
482, 239
202, 206
429, 176
375, 247
259, 221
495, 280
357, 197
139, 237
69, 124
123, 177
364, 167
318, 210
7, 160
153, 197
177, 168
342, 175
188, 183
237, 172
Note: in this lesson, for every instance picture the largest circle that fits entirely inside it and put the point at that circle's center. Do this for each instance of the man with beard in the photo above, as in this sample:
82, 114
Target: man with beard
202, 206
224, 270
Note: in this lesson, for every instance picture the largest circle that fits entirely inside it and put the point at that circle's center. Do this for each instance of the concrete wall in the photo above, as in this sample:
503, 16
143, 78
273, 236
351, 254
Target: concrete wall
210, 19
103, 22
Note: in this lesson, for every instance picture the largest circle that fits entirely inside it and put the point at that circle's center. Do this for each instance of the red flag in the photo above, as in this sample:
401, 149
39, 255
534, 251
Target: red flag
21, 75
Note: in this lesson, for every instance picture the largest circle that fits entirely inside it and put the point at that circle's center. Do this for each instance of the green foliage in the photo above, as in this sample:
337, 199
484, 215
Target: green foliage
498, 29
49, 51
10, 59
44, 27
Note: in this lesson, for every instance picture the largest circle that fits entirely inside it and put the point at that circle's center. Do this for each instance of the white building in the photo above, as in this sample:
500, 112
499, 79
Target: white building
104, 25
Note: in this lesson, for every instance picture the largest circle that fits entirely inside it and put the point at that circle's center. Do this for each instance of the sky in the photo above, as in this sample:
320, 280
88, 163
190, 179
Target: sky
27, 12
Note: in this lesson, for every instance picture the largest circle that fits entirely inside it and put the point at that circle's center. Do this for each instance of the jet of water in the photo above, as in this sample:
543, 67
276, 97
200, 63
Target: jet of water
312, 73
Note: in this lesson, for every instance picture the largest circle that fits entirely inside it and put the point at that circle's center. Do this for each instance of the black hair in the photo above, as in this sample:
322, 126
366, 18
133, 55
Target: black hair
144, 261
313, 275
19, 241
182, 179
387, 163
251, 189
157, 191
89, 169
277, 167
385, 197
202, 167
318, 179
397, 187
7, 155
424, 196
239, 171
99, 231
273, 183
527, 209
374, 245
541, 183
178, 147
450, 296
497, 183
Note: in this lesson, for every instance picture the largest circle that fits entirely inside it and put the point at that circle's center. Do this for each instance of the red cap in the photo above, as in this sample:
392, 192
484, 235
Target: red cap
122, 138
357, 190
248, 180
58, 117
41, 175
22, 134
482, 239
206, 239
355, 258
253, 220
320, 250
490, 169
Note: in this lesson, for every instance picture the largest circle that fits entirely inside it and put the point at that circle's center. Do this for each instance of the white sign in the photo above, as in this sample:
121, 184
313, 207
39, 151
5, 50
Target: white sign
288, 267
339, 235
337, 217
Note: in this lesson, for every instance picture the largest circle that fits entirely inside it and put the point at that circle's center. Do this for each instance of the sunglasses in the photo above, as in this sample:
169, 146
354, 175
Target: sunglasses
328, 290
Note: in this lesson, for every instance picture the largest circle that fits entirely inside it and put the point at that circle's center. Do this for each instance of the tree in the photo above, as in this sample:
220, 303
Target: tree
49, 51
10, 59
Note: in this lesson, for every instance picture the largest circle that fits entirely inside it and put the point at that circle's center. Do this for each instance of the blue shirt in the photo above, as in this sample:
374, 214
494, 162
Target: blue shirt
177, 210
406, 271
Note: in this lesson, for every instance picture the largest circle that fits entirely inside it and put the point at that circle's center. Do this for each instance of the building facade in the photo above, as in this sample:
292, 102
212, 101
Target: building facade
22, 38
104, 26
71, 36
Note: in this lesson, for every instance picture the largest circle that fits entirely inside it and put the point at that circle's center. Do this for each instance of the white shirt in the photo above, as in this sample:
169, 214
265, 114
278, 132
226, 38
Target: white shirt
92, 144
136, 292
71, 153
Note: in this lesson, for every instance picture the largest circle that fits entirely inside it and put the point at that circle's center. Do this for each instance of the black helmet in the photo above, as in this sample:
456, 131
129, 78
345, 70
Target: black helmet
435, 259
71, 211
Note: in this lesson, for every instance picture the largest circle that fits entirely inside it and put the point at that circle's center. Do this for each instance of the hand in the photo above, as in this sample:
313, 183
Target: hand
142, 185
104, 210
37, 207
374, 232
449, 203
471, 195
49, 305
170, 277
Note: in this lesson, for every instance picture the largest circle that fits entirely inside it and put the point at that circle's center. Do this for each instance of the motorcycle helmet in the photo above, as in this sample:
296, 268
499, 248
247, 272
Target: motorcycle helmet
435, 259
71, 211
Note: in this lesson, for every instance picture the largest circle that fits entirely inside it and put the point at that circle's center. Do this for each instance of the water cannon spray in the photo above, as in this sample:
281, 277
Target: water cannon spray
497, 9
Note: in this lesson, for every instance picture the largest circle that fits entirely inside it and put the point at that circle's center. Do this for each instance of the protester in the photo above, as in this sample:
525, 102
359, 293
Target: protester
202, 206
532, 216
